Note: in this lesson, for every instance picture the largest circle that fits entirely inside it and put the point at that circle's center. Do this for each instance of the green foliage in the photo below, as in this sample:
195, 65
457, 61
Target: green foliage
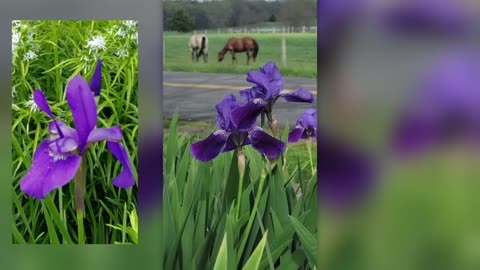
215, 14
180, 21
45, 56
201, 228
301, 54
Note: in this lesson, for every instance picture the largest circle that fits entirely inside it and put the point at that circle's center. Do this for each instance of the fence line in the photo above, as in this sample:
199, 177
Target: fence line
273, 29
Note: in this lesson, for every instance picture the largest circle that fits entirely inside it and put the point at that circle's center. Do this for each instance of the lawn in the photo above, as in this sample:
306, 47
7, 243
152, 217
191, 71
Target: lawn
301, 53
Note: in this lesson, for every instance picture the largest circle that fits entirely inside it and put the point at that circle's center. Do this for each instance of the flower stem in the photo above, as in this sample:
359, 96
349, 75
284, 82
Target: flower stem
246, 233
241, 171
80, 179
80, 228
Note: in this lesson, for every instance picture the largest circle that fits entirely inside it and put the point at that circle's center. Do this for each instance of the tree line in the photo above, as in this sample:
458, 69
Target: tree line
188, 15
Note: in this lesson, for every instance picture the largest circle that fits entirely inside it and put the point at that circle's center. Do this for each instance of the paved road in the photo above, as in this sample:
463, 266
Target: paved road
196, 94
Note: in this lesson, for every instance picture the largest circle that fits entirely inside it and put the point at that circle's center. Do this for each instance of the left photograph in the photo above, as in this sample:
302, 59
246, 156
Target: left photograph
74, 132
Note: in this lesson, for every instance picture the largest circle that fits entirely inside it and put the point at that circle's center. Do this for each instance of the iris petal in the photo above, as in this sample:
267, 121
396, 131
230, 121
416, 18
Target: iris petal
48, 171
84, 109
63, 145
243, 118
247, 94
125, 178
105, 134
96, 81
295, 135
64, 129
210, 147
41, 102
299, 95
266, 144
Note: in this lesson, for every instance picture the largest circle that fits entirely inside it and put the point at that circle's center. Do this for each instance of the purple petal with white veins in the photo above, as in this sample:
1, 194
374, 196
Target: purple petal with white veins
41, 101
266, 144
295, 135
299, 95
63, 145
125, 178
105, 134
244, 117
48, 171
65, 130
84, 109
96, 81
210, 147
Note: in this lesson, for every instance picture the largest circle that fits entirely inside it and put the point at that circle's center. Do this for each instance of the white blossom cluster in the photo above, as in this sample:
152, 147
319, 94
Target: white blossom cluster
96, 43
28, 46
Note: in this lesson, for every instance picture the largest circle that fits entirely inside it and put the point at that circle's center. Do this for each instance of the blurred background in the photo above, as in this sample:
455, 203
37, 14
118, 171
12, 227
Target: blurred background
400, 79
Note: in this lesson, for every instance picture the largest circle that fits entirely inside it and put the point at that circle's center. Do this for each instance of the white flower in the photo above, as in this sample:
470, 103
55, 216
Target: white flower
122, 53
30, 55
130, 23
85, 59
31, 103
96, 43
121, 32
134, 37
15, 40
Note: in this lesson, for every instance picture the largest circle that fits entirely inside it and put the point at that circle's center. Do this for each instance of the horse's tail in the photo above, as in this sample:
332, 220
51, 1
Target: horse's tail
202, 47
255, 48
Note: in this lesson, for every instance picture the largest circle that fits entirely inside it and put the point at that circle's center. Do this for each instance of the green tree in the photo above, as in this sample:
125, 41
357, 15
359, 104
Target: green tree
180, 21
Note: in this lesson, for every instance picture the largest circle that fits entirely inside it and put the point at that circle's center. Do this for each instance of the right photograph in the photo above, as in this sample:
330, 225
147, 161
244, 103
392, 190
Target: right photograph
398, 134
240, 134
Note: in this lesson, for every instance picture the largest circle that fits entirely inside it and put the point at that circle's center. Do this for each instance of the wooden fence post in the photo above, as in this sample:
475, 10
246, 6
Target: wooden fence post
284, 50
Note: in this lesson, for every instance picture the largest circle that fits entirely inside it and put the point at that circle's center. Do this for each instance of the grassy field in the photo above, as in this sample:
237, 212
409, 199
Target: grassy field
301, 54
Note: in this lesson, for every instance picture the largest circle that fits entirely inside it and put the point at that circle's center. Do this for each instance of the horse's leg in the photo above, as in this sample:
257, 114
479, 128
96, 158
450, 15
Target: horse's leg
248, 56
234, 59
193, 55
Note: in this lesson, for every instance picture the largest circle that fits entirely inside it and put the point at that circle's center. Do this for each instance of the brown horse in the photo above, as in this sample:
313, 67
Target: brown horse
234, 45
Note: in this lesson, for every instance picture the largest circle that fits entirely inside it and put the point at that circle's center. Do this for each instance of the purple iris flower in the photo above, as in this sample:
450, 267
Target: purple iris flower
428, 16
445, 107
261, 97
230, 137
57, 159
346, 174
306, 126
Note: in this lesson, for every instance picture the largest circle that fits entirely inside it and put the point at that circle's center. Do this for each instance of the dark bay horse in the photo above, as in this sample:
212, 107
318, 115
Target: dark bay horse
234, 45
198, 45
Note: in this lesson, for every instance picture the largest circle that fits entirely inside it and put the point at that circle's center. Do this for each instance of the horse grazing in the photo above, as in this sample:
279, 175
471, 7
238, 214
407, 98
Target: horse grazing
234, 45
198, 45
